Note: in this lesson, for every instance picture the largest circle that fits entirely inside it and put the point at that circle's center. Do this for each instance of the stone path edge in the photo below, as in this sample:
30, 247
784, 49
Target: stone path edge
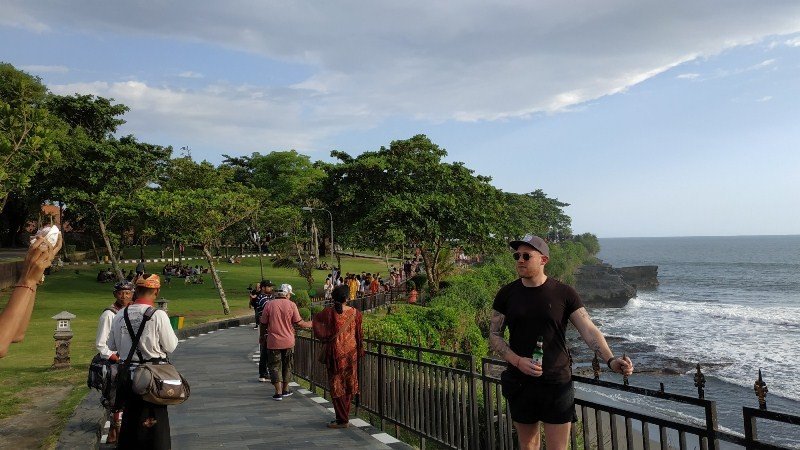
361, 424
85, 427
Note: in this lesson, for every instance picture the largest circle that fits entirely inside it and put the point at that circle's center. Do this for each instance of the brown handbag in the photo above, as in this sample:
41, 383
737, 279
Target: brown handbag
322, 358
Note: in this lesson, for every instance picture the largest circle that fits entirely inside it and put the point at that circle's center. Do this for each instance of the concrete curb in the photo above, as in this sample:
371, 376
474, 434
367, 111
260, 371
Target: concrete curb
362, 425
87, 424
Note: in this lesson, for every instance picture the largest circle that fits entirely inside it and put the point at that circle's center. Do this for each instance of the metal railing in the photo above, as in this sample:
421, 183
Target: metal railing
369, 301
456, 405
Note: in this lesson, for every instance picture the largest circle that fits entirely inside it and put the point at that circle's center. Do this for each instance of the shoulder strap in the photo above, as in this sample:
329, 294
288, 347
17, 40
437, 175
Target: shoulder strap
135, 337
346, 324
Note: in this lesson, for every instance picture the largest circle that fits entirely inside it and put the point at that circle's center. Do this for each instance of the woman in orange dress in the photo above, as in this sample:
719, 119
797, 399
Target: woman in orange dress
340, 327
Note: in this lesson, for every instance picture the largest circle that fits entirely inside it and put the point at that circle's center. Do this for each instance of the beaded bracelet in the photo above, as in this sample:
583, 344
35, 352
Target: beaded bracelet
25, 286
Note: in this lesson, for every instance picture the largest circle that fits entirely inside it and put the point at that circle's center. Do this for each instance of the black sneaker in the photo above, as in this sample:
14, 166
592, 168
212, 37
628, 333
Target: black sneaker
277, 397
287, 392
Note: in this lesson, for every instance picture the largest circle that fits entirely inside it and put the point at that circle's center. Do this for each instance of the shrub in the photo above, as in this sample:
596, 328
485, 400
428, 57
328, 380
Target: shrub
419, 281
316, 309
301, 298
305, 313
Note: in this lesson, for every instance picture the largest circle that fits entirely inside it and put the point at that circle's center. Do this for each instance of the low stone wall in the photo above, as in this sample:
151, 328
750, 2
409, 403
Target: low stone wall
9, 273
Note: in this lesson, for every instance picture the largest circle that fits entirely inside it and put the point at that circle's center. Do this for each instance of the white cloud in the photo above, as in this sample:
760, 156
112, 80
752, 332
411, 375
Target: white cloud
794, 42
45, 69
688, 76
220, 117
190, 74
763, 64
765, 98
16, 16
466, 61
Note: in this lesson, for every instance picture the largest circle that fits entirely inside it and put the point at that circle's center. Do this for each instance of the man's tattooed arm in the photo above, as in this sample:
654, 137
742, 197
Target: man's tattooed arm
590, 333
496, 341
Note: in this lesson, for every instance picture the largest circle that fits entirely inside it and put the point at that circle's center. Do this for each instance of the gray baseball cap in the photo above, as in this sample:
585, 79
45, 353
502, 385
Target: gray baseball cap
534, 241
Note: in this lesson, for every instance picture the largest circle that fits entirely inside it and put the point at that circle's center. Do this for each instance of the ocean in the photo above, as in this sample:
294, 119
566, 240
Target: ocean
731, 304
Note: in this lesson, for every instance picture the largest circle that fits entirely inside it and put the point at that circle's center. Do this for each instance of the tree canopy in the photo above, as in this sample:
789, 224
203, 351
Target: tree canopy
408, 195
407, 191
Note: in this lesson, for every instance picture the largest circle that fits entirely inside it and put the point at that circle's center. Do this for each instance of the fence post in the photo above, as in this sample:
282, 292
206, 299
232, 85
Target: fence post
711, 425
311, 365
381, 382
473, 396
750, 433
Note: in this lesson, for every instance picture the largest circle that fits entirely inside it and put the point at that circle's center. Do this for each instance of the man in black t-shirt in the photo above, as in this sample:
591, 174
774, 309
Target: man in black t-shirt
533, 306
264, 296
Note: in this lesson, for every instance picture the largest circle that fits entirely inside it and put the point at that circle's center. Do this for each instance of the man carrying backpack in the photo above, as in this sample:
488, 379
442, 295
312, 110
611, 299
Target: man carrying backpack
144, 424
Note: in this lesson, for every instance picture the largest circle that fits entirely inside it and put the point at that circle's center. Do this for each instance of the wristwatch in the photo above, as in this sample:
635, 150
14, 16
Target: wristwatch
608, 363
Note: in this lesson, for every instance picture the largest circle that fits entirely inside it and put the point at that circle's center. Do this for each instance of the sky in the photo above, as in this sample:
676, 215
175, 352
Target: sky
649, 118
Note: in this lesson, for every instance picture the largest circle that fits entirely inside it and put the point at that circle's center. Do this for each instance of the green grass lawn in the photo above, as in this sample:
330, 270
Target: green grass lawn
74, 289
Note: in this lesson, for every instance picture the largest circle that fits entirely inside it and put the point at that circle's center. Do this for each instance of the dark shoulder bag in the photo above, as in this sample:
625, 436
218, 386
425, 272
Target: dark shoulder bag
159, 383
99, 369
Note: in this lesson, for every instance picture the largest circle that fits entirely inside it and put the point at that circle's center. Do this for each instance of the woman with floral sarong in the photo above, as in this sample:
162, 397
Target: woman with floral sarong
340, 327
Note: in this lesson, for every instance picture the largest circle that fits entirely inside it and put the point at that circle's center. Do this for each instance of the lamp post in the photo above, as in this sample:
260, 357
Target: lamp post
256, 237
333, 247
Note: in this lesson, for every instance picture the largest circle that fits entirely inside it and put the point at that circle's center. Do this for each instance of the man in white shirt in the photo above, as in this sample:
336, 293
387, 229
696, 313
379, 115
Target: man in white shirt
144, 425
123, 296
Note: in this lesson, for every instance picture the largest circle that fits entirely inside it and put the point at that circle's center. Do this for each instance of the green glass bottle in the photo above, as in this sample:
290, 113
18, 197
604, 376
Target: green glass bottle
538, 353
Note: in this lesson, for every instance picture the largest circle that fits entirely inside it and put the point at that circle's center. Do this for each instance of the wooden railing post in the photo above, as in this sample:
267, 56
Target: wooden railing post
473, 400
381, 383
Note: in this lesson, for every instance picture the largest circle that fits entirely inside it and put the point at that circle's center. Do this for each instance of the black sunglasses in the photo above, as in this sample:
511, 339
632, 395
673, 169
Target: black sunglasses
525, 256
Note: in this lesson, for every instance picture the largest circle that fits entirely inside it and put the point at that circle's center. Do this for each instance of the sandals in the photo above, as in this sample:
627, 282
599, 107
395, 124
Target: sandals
335, 424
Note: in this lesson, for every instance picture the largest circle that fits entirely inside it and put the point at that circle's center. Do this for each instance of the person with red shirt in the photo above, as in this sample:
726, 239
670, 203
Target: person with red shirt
280, 317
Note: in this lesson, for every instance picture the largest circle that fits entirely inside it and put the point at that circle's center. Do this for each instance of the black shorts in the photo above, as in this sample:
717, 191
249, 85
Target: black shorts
539, 402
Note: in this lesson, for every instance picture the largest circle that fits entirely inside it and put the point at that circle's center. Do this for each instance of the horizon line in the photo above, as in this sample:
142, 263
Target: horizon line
698, 236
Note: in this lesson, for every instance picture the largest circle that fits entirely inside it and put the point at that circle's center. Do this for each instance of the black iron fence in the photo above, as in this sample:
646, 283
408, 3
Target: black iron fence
369, 301
460, 405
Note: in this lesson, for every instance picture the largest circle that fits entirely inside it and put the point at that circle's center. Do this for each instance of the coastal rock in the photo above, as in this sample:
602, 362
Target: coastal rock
600, 285
603, 286
640, 277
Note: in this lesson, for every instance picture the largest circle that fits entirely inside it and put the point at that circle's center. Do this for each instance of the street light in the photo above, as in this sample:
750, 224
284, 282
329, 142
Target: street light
333, 247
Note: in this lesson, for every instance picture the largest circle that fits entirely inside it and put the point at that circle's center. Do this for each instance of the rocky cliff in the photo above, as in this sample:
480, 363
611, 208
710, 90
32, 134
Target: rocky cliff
601, 285
640, 277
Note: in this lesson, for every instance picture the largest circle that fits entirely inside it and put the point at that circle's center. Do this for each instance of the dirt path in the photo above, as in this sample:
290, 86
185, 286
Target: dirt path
35, 423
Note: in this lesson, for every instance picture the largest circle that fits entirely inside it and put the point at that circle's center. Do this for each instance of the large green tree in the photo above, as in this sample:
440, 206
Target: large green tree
100, 175
535, 213
26, 129
288, 177
199, 217
408, 191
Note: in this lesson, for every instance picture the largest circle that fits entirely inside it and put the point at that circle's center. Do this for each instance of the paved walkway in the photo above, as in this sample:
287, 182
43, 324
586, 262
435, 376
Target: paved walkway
229, 408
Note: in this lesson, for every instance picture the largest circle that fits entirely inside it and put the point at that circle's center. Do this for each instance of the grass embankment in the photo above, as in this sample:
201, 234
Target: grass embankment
75, 289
